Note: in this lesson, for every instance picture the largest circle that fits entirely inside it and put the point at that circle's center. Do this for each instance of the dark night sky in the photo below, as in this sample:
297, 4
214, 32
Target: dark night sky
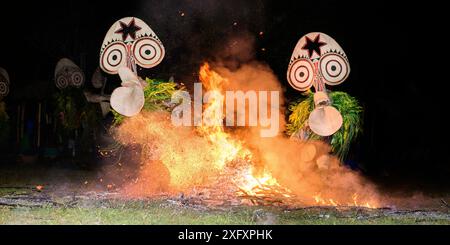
389, 48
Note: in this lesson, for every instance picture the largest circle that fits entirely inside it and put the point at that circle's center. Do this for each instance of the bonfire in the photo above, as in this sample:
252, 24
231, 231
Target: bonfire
214, 165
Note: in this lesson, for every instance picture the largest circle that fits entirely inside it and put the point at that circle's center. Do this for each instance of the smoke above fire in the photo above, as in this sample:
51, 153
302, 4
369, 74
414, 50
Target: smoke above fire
237, 161
194, 31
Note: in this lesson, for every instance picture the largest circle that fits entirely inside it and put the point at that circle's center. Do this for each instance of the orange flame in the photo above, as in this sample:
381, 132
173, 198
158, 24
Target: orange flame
190, 157
230, 149
227, 149
331, 202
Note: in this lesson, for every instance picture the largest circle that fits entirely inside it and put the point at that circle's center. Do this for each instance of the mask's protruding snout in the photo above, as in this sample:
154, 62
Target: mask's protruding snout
129, 99
324, 120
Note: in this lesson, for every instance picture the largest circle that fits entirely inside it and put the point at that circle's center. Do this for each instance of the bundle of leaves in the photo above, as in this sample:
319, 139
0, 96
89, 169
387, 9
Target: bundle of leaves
79, 120
351, 113
69, 105
157, 93
74, 109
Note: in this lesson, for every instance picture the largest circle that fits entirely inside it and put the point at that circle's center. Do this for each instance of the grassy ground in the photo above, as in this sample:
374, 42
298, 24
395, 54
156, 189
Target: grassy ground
69, 203
165, 212
158, 215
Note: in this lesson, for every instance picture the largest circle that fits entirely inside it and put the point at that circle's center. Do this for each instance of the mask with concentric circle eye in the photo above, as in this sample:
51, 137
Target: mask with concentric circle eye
148, 52
301, 74
4, 83
329, 63
334, 68
129, 43
318, 60
113, 57
67, 73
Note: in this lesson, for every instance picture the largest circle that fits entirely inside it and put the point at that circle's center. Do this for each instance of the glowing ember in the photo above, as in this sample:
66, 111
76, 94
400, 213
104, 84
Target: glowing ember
331, 202
259, 186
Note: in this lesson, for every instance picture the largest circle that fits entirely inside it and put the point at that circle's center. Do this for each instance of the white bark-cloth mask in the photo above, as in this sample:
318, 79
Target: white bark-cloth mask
67, 73
317, 60
128, 42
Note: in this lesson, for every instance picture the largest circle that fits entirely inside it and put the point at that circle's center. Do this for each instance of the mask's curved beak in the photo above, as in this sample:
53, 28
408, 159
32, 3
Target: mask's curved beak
324, 120
128, 77
128, 100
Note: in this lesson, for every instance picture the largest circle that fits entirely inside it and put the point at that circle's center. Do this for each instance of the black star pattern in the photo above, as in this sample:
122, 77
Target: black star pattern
129, 29
313, 46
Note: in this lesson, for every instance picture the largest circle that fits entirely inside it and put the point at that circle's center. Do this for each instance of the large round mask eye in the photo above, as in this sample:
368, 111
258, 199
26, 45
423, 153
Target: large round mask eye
77, 79
148, 52
113, 57
301, 74
334, 68
62, 82
4, 88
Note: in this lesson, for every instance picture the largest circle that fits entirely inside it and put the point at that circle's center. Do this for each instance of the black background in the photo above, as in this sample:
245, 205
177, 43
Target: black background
155, 234
396, 55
